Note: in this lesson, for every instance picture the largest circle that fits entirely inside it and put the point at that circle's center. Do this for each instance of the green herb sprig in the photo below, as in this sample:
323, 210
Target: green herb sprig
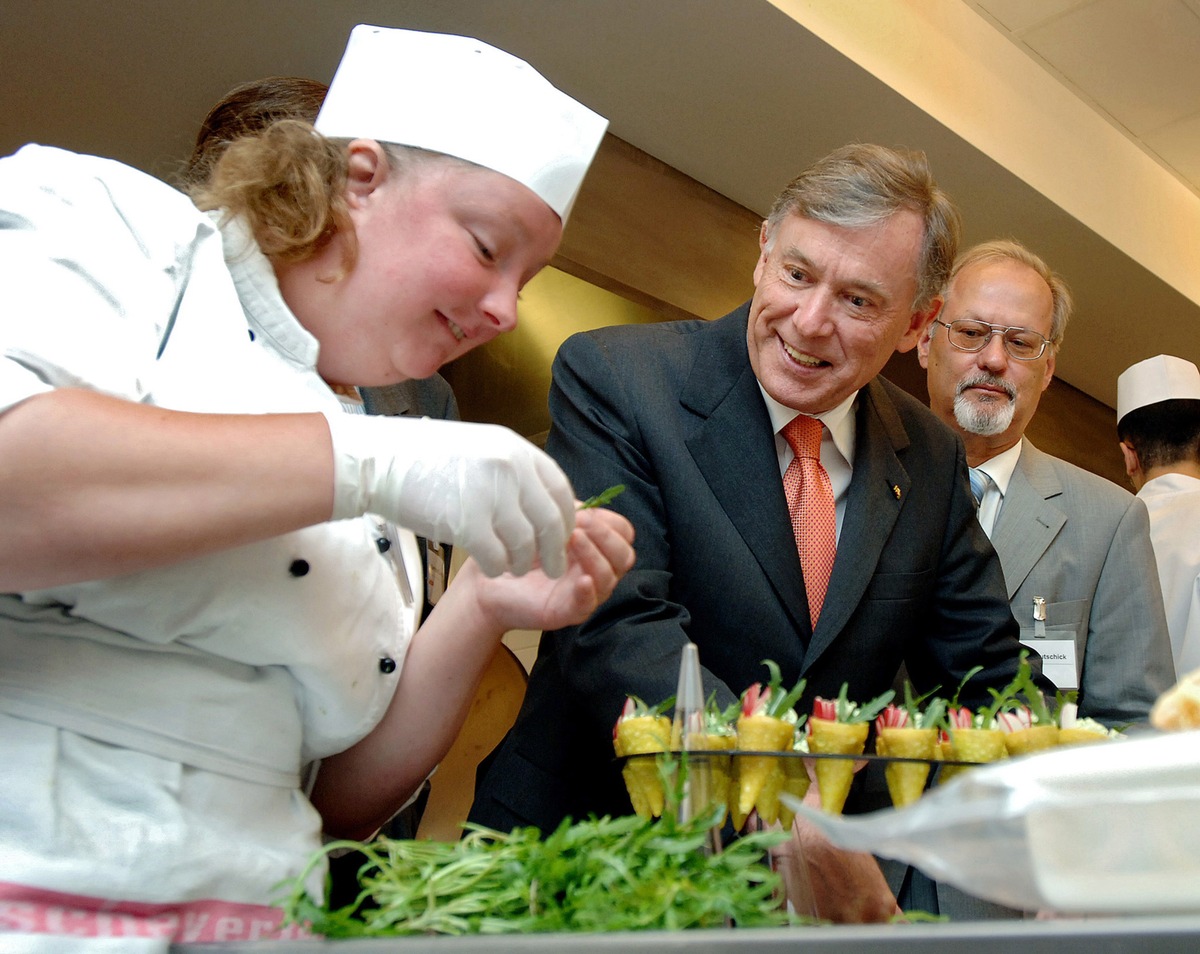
603, 498
779, 702
720, 721
607, 874
920, 715
971, 674
848, 711
641, 708
1021, 691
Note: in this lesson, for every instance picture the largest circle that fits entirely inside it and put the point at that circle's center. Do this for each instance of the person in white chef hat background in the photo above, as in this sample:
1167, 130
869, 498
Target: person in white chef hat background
1158, 425
209, 652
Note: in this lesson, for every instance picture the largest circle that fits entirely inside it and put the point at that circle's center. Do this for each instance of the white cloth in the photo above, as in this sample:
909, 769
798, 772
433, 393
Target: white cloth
210, 684
1174, 504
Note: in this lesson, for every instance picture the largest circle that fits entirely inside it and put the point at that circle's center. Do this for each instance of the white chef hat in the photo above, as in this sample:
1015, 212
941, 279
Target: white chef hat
1161, 378
460, 96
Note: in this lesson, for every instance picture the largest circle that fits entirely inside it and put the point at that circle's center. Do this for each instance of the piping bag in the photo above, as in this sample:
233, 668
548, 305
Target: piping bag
687, 733
1093, 829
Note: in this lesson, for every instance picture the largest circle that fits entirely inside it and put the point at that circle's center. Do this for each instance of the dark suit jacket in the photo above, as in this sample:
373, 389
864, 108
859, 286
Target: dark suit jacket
423, 397
674, 412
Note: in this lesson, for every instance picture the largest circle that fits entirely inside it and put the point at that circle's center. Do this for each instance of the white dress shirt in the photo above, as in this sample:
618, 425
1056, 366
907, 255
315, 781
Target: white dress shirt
999, 471
837, 445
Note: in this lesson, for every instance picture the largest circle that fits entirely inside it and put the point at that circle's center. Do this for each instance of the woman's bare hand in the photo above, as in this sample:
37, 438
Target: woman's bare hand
599, 552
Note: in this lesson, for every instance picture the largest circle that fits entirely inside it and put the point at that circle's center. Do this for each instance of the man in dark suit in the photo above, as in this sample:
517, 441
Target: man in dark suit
687, 415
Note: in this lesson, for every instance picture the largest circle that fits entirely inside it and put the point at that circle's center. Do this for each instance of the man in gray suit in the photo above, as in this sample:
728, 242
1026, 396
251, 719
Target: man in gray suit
1075, 542
690, 416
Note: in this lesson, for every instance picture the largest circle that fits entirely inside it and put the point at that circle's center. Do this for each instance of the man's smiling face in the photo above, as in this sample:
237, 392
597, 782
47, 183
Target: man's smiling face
831, 304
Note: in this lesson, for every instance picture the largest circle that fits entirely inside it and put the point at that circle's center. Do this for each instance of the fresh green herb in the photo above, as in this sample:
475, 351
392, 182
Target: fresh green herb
635, 707
1002, 701
930, 716
1021, 691
778, 703
1027, 689
848, 711
1063, 698
603, 498
971, 673
607, 874
718, 721
918, 916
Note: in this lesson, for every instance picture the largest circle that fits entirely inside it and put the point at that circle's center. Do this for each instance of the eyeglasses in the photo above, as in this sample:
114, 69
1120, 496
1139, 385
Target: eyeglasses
966, 334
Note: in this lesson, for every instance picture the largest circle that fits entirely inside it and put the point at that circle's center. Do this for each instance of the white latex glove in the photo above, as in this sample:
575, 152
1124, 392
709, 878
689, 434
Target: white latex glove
479, 486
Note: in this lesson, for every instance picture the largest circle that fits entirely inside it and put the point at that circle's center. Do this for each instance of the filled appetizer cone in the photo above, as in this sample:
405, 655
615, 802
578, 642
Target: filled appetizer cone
839, 727
972, 739
795, 779
1032, 739
640, 731
720, 736
718, 766
911, 732
1017, 722
1022, 713
906, 780
1072, 730
737, 817
1023, 734
759, 774
767, 724
1080, 735
829, 737
971, 744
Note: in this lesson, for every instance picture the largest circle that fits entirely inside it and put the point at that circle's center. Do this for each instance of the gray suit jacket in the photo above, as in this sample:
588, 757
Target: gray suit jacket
1083, 543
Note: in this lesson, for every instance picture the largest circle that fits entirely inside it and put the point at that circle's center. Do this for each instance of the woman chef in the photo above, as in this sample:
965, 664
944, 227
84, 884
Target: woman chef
207, 647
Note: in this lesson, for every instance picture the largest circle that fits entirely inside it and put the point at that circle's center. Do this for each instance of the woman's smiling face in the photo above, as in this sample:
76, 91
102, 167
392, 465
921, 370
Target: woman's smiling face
444, 248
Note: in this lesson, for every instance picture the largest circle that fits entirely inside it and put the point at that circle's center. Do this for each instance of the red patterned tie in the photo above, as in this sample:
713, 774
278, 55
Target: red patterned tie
811, 507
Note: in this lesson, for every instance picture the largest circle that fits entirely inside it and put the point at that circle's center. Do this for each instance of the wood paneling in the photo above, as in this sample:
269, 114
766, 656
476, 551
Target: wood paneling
649, 233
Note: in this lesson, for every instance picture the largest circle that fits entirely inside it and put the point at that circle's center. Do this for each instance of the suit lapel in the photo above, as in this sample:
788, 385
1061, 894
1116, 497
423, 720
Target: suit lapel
1028, 521
878, 491
733, 446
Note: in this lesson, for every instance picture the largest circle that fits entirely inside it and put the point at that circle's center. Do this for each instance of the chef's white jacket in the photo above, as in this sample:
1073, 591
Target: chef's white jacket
154, 727
1174, 504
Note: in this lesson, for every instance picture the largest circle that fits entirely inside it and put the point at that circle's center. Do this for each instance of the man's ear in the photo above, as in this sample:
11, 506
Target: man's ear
919, 323
764, 238
923, 344
366, 170
1133, 464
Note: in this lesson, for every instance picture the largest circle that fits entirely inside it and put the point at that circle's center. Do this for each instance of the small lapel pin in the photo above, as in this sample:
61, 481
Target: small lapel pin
896, 490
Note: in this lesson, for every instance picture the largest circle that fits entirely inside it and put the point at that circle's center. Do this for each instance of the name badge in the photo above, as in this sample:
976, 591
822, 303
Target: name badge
1058, 660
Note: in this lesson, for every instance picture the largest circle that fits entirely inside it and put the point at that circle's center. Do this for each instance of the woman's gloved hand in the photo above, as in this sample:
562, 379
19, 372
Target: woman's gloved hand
478, 486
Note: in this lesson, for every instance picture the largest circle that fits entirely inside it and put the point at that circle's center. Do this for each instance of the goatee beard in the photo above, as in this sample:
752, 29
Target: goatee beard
988, 418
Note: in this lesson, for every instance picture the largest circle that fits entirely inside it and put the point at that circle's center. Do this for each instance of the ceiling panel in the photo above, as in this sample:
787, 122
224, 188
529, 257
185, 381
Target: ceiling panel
1141, 68
1179, 146
1018, 15
1137, 62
